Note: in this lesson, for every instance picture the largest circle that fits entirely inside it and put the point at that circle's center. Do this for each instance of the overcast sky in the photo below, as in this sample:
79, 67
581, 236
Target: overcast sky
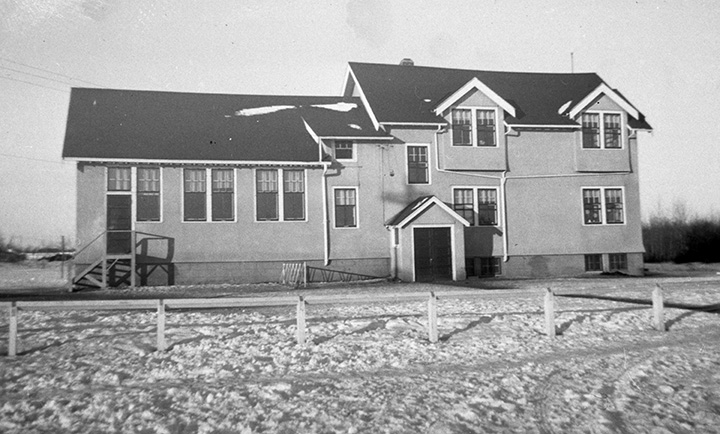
662, 55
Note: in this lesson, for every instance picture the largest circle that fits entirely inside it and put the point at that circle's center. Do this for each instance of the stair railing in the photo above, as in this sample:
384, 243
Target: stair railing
103, 235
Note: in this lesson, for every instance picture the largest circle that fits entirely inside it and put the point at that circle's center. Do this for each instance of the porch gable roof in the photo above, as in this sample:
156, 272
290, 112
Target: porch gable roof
418, 207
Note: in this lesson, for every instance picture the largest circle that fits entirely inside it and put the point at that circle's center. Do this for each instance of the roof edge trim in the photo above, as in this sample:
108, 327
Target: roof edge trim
197, 162
604, 89
363, 98
432, 200
475, 83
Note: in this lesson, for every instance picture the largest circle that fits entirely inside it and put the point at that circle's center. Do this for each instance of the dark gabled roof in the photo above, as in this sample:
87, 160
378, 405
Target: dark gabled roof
149, 125
408, 94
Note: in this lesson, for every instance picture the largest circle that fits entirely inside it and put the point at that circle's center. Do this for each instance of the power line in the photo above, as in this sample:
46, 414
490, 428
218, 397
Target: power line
33, 159
50, 72
35, 75
34, 84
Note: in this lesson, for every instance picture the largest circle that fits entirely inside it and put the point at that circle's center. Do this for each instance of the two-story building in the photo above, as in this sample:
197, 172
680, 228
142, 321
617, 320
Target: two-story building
414, 172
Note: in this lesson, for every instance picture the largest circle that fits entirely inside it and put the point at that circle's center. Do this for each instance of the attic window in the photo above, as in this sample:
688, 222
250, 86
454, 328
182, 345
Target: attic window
344, 150
602, 130
474, 127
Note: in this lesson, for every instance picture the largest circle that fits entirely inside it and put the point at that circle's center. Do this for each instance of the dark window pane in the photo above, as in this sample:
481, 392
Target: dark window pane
345, 207
617, 261
294, 206
195, 207
148, 207
613, 206
267, 195
462, 127
343, 150
463, 204
223, 192
612, 131
593, 262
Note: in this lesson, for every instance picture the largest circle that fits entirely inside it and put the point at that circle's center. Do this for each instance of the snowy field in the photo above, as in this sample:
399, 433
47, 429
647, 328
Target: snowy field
370, 368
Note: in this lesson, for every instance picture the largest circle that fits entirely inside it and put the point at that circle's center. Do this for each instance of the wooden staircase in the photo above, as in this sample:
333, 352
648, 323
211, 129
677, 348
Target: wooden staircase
109, 271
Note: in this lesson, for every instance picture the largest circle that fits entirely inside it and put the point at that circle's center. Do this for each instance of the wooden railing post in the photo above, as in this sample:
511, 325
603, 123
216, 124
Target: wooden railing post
549, 312
161, 344
304, 274
432, 318
12, 333
658, 309
133, 260
301, 325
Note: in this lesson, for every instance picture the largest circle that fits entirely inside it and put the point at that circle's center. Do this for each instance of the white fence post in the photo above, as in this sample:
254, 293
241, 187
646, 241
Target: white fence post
432, 318
12, 336
161, 344
301, 332
658, 309
549, 312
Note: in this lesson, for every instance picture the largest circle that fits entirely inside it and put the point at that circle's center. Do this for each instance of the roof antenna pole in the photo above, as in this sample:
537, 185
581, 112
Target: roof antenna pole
572, 62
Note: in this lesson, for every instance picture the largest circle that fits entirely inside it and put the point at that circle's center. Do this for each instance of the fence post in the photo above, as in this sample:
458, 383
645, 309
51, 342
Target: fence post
161, 344
432, 318
301, 332
549, 312
62, 257
133, 259
304, 271
658, 309
12, 335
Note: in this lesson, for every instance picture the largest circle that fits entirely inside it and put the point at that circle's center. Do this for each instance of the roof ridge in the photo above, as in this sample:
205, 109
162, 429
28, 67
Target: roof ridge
440, 68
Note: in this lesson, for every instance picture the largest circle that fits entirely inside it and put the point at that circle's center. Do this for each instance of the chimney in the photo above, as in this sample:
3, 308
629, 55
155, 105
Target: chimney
407, 62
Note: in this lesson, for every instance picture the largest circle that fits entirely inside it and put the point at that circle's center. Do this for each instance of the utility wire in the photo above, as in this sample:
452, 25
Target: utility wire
33, 159
35, 75
35, 84
50, 72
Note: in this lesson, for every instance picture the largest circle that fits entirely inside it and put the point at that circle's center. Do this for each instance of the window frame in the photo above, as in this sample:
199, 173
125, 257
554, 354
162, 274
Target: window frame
601, 129
474, 127
603, 206
407, 163
617, 258
208, 195
281, 195
476, 204
353, 150
589, 258
357, 207
159, 194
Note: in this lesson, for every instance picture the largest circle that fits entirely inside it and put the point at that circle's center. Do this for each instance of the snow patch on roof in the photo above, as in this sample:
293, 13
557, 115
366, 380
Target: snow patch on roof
256, 111
355, 126
338, 107
564, 107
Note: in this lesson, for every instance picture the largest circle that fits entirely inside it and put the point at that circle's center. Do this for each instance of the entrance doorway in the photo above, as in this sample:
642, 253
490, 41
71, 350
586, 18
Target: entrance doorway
433, 254
119, 224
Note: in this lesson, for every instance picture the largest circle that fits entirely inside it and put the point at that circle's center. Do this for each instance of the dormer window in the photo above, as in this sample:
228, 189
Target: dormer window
344, 150
473, 127
601, 131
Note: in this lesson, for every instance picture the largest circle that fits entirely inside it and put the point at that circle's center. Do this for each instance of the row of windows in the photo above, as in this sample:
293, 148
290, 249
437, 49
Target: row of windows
280, 196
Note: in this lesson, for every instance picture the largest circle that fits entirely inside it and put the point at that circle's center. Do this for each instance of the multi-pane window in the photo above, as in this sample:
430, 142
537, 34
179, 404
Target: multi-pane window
593, 262
267, 195
602, 130
473, 127
270, 205
487, 207
294, 194
462, 127
476, 205
345, 207
612, 131
603, 206
617, 261
223, 194
418, 167
118, 179
216, 200
194, 195
591, 130
488, 267
464, 204
485, 121
344, 150
148, 194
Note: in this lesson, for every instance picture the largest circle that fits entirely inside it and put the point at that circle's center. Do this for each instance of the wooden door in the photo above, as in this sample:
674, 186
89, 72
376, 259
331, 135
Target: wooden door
433, 254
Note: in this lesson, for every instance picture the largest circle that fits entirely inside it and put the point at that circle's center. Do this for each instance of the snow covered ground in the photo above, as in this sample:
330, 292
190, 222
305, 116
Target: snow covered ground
370, 367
